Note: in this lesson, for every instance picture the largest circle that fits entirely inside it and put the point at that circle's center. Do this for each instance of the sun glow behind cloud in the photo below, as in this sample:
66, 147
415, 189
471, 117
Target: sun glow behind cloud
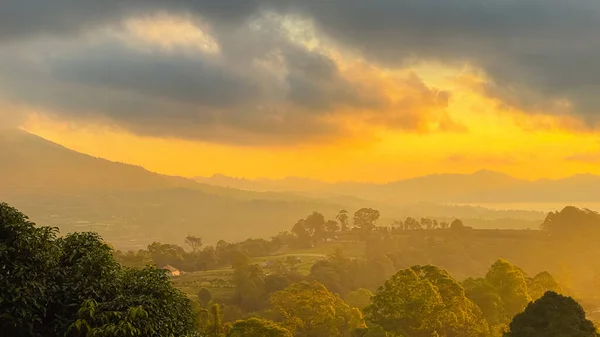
422, 118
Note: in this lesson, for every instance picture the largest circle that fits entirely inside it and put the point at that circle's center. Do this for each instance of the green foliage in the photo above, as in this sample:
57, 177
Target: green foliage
257, 327
540, 284
423, 301
309, 309
365, 219
342, 217
204, 296
359, 298
194, 242
27, 253
511, 284
72, 286
552, 315
572, 222
485, 295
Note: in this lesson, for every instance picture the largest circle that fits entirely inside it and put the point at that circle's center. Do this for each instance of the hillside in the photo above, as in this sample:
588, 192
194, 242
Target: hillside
131, 206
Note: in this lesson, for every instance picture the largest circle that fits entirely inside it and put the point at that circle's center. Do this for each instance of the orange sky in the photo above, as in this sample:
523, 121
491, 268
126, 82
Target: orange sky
471, 132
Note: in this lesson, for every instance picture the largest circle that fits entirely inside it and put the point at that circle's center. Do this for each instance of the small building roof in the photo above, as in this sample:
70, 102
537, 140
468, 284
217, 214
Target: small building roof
170, 268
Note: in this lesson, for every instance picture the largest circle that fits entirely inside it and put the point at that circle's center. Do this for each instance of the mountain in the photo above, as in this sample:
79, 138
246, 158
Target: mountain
131, 206
481, 187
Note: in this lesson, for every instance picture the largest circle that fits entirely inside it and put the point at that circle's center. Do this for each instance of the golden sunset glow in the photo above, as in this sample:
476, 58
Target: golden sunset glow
423, 118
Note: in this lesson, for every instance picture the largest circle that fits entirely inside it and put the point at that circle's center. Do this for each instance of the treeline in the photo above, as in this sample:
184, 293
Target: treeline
307, 232
73, 286
199, 257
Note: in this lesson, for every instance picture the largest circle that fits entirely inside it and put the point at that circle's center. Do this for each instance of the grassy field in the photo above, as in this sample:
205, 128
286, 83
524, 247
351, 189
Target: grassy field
219, 281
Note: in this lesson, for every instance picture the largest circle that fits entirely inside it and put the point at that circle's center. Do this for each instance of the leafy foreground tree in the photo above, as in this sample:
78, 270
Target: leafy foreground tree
424, 301
309, 309
552, 315
257, 327
72, 286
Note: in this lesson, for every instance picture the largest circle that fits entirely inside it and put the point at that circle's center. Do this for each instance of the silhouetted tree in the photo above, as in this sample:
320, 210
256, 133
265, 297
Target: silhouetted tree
365, 219
194, 242
552, 315
342, 217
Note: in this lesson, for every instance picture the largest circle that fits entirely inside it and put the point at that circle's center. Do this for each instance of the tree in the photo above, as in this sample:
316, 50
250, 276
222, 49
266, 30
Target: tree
332, 226
540, 284
365, 219
342, 217
397, 224
204, 296
457, 224
309, 309
257, 327
485, 295
315, 223
194, 242
217, 321
426, 223
444, 225
359, 298
302, 232
73, 286
552, 315
411, 224
425, 301
510, 284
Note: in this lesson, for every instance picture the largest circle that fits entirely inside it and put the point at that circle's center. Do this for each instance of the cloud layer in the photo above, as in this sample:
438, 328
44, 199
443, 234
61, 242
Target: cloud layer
266, 71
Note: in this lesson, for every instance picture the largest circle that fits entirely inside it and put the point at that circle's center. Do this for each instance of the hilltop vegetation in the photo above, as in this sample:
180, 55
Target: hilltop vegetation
73, 286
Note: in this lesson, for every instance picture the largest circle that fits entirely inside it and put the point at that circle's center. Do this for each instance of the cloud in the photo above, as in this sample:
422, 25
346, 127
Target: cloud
179, 76
540, 55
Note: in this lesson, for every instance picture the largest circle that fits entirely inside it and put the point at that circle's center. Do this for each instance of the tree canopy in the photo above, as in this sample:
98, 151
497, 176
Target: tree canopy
552, 315
309, 309
257, 327
72, 286
425, 301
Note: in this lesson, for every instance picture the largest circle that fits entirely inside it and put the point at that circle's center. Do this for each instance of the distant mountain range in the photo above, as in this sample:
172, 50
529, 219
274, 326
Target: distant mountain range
131, 206
477, 188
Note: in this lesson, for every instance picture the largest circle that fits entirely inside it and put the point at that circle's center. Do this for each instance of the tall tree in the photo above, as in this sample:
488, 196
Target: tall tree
342, 217
552, 315
73, 286
540, 284
511, 284
425, 301
365, 219
332, 226
194, 242
302, 232
315, 223
204, 296
309, 309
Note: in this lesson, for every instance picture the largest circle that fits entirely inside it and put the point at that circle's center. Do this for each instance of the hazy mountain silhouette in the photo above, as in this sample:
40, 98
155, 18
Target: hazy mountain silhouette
483, 186
131, 206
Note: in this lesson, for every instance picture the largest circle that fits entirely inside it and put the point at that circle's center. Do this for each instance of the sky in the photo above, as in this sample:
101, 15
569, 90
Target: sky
376, 90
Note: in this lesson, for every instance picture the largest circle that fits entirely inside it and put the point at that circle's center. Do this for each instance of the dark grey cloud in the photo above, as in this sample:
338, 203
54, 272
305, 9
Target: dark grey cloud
536, 52
171, 94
